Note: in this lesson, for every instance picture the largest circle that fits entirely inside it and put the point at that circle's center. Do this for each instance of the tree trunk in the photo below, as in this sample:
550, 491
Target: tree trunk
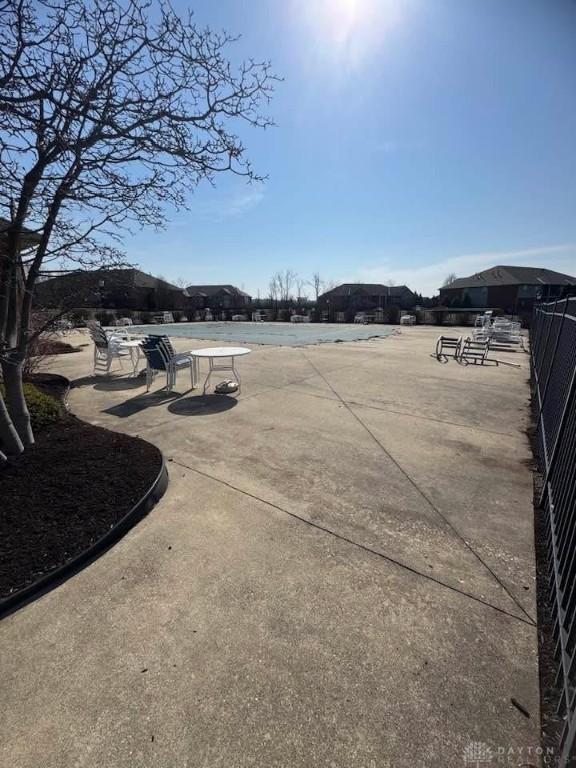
12, 375
9, 437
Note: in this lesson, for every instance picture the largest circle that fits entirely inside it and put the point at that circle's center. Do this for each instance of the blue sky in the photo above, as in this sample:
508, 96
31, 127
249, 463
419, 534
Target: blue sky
414, 138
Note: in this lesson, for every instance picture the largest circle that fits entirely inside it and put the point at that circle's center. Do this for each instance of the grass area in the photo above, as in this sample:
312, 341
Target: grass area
43, 408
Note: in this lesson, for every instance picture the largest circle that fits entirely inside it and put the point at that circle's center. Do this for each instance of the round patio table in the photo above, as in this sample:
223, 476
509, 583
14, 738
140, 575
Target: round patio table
219, 359
134, 347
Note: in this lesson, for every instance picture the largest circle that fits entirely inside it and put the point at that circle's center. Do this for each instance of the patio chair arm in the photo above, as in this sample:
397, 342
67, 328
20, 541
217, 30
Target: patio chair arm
181, 356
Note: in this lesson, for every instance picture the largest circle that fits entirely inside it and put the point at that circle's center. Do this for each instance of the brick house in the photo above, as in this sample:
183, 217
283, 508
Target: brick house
217, 298
117, 289
512, 290
350, 298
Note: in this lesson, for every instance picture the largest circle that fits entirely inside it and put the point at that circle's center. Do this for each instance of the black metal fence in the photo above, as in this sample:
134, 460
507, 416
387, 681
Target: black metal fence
553, 341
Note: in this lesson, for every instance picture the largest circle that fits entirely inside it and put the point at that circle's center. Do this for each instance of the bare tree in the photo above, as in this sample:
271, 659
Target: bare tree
449, 279
300, 283
273, 289
317, 284
285, 281
107, 118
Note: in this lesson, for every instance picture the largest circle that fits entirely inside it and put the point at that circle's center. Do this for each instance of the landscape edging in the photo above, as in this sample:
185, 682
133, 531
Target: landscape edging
62, 573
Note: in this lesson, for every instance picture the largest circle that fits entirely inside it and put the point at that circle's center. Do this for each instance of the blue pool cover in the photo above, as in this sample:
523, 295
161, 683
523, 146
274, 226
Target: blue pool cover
280, 334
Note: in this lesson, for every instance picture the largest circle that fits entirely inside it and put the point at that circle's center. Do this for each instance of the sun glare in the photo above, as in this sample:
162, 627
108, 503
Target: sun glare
347, 30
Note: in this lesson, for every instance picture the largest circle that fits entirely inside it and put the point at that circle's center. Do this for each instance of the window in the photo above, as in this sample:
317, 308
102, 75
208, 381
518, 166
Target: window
475, 297
528, 291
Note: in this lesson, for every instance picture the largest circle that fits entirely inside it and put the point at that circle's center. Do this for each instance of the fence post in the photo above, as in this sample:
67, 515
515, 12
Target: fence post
536, 328
537, 337
543, 356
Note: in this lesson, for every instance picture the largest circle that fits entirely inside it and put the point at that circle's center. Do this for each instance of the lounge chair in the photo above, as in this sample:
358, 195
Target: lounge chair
161, 356
448, 346
474, 351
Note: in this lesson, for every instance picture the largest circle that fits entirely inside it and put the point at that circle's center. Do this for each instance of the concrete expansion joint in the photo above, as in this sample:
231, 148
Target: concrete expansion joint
424, 495
394, 561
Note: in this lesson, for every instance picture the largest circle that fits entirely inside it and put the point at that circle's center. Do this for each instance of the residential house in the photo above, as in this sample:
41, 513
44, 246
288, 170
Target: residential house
117, 289
217, 299
28, 241
28, 238
512, 290
350, 298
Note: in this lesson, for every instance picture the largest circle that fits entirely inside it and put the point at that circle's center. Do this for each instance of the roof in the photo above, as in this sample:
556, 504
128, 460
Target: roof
28, 236
503, 275
370, 289
144, 280
127, 277
207, 291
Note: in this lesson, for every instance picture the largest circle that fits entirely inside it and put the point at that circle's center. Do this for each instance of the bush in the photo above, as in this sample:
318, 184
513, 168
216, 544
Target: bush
145, 318
43, 409
48, 346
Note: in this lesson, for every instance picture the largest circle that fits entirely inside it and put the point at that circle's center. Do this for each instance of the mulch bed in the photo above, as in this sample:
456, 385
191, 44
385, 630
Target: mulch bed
50, 384
66, 492
56, 347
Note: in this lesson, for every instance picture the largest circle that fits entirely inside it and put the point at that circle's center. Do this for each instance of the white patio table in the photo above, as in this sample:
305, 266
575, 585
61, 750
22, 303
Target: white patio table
219, 359
134, 347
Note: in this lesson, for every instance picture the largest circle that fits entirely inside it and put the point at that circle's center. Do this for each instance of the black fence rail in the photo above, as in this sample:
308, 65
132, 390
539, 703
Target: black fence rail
553, 342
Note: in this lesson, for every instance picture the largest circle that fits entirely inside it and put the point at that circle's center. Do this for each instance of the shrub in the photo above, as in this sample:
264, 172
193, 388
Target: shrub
145, 318
40, 319
43, 409
177, 315
48, 346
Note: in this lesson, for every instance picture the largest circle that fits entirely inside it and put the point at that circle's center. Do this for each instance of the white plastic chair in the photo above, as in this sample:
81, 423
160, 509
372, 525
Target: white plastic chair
106, 349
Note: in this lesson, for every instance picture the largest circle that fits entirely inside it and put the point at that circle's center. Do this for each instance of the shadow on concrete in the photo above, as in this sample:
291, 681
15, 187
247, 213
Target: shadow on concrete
141, 403
200, 405
110, 384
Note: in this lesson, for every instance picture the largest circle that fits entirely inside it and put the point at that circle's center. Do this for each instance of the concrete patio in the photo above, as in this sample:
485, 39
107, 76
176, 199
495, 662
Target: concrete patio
341, 574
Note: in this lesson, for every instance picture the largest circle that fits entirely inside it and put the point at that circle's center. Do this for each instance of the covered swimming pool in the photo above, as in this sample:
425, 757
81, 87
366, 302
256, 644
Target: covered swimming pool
279, 334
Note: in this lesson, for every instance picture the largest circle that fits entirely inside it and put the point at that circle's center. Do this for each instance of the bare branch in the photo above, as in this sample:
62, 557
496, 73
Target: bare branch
112, 111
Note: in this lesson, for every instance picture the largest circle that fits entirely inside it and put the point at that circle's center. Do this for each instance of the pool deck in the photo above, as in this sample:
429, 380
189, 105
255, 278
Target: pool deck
341, 574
